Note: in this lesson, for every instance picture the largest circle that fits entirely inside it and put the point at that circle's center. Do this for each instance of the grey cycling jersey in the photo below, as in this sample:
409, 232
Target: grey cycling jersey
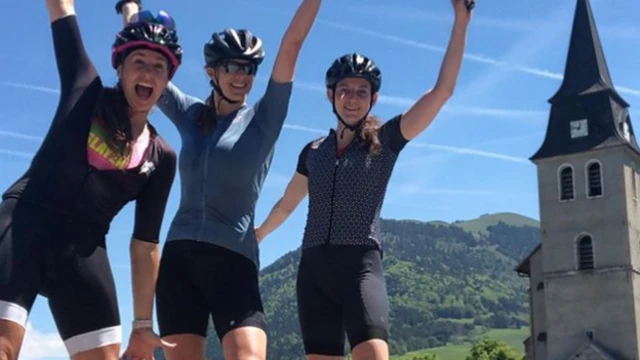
222, 173
346, 192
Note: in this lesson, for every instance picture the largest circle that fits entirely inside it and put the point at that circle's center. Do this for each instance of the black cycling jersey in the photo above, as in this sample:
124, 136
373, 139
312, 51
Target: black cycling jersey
60, 177
346, 192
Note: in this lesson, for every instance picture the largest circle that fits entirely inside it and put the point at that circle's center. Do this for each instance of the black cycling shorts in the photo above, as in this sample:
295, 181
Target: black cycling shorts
341, 288
44, 253
200, 279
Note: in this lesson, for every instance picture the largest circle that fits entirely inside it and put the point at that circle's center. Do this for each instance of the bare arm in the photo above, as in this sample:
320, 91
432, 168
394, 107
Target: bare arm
422, 113
128, 10
59, 9
145, 264
294, 37
296, 191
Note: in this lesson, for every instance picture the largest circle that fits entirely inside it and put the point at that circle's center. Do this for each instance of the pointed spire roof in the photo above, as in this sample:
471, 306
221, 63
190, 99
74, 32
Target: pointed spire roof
586, 112
586, 68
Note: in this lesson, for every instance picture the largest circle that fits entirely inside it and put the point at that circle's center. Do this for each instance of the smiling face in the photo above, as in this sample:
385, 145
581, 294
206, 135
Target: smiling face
235, 78
144, 75
352, 99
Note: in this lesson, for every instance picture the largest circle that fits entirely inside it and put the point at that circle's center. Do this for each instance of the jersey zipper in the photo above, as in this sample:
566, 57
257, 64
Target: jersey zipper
204, 190
333, 192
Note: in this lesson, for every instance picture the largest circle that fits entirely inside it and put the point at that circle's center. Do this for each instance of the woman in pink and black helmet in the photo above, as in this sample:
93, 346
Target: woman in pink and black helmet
99, 154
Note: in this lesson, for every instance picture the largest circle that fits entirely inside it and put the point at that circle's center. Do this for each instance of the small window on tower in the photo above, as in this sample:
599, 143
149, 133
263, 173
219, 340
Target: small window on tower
585, 253
565, 182
594, 179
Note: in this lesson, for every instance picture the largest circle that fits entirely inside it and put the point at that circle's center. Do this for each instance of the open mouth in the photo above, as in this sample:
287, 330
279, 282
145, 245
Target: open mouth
144, 91
351, 109
239, 86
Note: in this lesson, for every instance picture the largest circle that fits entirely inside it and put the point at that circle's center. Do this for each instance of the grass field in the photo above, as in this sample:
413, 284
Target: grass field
513, 337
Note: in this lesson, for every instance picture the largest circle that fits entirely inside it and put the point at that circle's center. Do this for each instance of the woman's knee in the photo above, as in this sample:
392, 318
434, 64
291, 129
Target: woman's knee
373, 349
245, 343
11, 336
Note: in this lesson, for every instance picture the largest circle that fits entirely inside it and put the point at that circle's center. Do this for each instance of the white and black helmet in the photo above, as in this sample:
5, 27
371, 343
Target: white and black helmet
233, 44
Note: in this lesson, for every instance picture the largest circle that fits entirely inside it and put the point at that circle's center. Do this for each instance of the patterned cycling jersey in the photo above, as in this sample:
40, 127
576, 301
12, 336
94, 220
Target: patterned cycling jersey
346, 192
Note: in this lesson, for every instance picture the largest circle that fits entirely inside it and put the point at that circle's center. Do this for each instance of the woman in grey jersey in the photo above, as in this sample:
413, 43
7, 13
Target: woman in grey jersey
346, 174
210, 264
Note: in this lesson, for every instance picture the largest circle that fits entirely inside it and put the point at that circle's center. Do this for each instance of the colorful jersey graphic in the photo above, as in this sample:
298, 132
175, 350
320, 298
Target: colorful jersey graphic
103, 157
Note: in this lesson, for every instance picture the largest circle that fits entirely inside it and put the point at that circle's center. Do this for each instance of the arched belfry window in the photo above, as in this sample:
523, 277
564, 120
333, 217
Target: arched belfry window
585, 253
594, 178
565, 182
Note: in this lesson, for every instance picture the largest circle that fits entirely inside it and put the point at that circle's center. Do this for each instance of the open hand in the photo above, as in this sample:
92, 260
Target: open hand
142, 344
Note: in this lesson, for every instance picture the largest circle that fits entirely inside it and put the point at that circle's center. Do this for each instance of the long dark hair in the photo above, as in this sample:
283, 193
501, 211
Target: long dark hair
369, 134
112, 110
207, 117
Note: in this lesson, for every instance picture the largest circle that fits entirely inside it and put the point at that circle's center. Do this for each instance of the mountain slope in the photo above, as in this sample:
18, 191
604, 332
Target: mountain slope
437, 275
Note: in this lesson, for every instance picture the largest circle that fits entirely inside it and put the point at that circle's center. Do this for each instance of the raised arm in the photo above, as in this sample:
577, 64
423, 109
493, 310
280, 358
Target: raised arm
74, 66
296, 190
422, 113
59, 9
294, 37
128, 8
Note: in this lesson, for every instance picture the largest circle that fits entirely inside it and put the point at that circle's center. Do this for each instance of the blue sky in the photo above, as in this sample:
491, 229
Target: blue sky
471, 161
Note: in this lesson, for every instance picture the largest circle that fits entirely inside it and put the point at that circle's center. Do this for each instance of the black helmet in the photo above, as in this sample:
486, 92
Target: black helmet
233, 44
147, 35
354, 65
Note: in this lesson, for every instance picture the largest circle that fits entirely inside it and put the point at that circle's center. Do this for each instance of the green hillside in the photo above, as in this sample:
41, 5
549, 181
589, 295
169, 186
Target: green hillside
513, 337
448, 284
481, 224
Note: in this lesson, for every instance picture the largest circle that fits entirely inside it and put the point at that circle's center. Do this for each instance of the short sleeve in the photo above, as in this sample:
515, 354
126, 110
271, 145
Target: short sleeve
272, 108
391, 135
152, 202
175, 104
302, 161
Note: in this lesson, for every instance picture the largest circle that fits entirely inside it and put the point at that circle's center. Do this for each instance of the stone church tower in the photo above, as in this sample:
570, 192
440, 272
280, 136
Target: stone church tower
584, 276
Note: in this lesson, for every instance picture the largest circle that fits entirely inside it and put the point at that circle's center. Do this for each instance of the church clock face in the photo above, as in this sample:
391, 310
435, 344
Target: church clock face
579, 128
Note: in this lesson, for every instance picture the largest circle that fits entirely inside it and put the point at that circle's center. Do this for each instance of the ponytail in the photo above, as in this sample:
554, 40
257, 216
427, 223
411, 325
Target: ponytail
206, 119
369, 134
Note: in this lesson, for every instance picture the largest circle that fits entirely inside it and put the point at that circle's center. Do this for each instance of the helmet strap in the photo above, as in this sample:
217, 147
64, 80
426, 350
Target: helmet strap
217, 89
355, 127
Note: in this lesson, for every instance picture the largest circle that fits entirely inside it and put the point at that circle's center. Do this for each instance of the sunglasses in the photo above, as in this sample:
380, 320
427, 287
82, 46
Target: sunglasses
163, 19
231, 67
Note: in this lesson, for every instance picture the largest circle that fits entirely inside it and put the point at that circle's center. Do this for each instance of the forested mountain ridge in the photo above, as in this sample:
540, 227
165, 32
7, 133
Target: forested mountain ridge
439, 276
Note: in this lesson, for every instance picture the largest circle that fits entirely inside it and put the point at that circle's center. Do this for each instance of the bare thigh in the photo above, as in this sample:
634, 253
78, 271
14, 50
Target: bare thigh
374, 349
109, 352
245, 343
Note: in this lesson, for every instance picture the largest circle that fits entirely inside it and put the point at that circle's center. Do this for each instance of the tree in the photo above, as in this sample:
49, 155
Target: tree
489, 349
425, 357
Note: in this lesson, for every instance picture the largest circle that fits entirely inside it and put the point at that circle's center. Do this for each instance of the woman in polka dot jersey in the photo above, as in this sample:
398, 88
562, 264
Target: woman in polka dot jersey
340, 284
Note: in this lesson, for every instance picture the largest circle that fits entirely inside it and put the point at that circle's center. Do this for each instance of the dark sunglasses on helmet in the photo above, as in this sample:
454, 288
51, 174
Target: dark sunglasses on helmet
232, 67
163, 19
